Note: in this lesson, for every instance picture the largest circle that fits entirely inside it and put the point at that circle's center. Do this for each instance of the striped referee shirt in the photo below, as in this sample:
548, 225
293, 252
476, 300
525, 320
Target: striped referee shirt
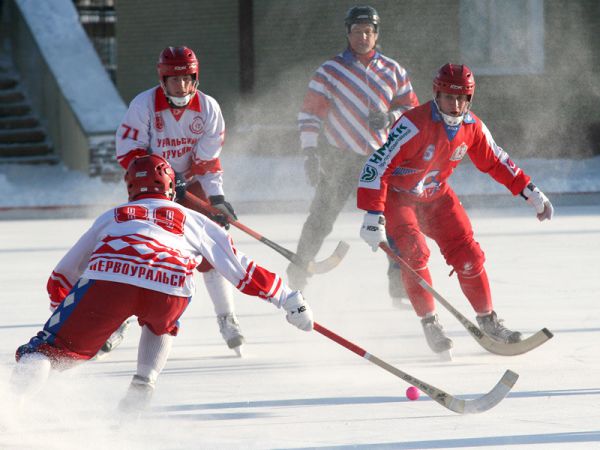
341, 94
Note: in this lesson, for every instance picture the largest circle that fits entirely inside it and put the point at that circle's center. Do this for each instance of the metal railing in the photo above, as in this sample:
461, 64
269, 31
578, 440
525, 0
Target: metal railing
98, 18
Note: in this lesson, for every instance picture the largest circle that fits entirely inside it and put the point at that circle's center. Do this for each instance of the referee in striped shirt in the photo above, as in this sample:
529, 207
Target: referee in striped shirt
352, 101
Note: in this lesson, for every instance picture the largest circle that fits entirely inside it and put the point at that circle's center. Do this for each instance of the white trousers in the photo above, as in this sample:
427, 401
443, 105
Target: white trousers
220, 292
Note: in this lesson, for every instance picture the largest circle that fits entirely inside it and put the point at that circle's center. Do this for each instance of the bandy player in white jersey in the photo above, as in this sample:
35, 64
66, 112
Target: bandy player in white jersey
138, 259
186, 127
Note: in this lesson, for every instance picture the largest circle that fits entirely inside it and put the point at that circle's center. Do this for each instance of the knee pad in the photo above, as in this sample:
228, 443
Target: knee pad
468, 260
411, 246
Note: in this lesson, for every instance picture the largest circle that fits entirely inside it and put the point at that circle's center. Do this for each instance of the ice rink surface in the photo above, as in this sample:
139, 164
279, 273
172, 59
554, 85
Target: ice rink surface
300, 390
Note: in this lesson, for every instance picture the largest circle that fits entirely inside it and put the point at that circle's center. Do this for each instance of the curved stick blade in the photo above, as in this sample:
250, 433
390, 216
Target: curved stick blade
477, 405
517, 348
331, 262
492, 346
449, 401
492, 398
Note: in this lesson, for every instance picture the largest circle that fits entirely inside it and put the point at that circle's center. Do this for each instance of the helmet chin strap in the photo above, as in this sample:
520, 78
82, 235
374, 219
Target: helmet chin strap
179, 102
452, 121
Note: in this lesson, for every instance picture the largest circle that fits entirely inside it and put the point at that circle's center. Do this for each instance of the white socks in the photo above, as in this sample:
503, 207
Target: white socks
153, 352
220, 292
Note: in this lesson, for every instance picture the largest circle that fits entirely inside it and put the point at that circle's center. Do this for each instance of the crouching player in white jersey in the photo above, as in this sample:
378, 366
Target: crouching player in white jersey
138, 259
186, 127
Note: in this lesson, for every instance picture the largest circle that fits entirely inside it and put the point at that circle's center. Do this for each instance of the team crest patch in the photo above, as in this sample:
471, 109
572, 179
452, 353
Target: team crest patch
369, 173
404, 171
428, 185
459, 152
197, 125
159, 124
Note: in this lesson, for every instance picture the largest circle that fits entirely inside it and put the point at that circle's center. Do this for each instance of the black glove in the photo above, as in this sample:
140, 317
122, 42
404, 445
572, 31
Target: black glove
311, 166
218, 201
180, 185
379, 120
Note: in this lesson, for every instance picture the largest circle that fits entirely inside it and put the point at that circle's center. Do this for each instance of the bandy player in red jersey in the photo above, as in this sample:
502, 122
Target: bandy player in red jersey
185, 126
139, 259
403, 187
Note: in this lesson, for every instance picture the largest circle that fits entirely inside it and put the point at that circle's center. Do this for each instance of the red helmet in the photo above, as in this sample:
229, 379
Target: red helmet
150, 174
175, 61
454, 79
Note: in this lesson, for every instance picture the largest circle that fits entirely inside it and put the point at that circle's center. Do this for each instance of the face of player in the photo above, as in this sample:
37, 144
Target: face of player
452, 104
180, 85
362, 38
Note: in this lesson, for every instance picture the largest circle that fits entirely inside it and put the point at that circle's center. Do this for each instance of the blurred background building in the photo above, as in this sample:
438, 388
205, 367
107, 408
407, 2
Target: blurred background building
535, 62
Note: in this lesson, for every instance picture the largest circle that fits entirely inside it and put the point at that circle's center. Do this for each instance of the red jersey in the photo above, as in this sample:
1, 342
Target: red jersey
421, 153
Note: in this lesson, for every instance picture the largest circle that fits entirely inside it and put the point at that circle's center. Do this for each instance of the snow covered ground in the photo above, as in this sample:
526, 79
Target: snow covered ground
300, 390
257, 183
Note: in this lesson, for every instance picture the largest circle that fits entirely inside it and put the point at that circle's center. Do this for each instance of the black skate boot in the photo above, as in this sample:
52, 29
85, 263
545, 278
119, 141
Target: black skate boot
437, 340
492, 326
396, 287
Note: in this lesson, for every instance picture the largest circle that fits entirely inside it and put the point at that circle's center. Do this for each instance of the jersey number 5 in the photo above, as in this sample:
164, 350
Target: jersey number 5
169, 219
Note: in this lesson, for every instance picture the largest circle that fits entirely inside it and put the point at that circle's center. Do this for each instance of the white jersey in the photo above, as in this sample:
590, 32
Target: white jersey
190, 138
157, 244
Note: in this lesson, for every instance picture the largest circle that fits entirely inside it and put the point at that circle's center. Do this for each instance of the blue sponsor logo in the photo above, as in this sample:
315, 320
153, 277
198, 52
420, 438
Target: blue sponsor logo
403, 171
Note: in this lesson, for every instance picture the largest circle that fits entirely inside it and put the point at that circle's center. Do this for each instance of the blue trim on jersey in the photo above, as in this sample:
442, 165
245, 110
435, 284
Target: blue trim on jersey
451, 131
56, 320
66, 308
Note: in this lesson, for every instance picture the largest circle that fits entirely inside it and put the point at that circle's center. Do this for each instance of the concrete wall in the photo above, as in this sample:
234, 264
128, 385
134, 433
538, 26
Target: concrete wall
210, 28
66, 83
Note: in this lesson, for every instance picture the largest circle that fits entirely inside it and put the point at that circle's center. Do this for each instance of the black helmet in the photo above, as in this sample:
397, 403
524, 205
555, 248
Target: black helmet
362, 14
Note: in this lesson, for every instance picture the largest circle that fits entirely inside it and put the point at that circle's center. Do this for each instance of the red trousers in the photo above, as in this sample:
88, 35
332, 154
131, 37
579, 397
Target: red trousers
444, 220
94, 309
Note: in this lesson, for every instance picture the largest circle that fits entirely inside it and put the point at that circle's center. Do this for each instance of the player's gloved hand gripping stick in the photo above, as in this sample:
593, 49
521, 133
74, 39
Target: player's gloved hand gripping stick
313, 267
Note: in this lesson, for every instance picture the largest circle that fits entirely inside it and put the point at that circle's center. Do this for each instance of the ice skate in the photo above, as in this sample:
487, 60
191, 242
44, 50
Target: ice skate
436, 339
116, 338
231, 332
138, 396
492, 326
396, 288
